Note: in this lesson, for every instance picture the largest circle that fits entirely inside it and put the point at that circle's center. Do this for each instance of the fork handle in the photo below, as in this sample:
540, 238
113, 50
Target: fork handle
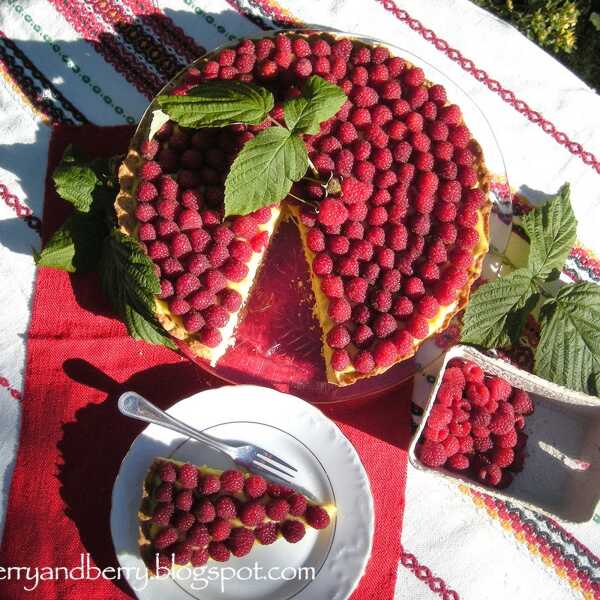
136, 406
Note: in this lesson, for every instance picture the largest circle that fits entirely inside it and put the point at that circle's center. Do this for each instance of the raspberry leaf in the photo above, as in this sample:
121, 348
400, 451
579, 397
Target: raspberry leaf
130, 283
75, 246
75, 180
497, 310
552, 230
320, 100
219, 103
569, 349
264, 171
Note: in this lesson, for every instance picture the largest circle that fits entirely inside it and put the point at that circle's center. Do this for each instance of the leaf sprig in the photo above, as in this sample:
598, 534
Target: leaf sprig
268, 165
568, 352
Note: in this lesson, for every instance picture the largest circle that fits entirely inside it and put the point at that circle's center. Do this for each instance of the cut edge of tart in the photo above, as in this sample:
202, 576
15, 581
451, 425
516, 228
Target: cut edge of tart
148, 531
126, 203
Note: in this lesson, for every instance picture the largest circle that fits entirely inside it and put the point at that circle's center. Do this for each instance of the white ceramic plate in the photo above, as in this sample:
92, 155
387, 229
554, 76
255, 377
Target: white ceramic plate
329, 468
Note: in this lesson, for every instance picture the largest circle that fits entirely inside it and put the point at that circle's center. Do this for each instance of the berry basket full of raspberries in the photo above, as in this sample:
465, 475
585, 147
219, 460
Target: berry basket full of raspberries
505, 432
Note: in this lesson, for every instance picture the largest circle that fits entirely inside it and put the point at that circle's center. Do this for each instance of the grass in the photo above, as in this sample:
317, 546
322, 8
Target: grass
567, 29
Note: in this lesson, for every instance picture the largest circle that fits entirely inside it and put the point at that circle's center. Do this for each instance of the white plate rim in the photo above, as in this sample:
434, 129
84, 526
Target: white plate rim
358, 549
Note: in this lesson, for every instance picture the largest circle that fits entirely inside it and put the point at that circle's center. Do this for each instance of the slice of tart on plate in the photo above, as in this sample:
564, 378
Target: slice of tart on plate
392, 252
192, 514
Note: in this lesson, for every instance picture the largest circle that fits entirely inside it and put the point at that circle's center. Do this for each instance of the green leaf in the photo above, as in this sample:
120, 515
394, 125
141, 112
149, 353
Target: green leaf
219, 103
320, 100
76, 246
130, 283
552, 230
75, 180
595, 20
264, 171
497, 311
569, 348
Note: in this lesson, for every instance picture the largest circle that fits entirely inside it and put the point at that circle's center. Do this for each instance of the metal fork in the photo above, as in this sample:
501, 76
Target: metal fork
249, 456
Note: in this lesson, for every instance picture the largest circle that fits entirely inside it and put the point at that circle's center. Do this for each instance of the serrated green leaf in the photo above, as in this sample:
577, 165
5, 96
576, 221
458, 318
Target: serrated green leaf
264, 171
148, 330
320, 100
219, 103
569, 349
130, 284
75, 246
75, 180
552, 230
497, 311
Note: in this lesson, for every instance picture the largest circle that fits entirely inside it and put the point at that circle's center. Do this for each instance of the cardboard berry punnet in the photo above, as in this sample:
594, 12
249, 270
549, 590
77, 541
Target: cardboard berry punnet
560, 471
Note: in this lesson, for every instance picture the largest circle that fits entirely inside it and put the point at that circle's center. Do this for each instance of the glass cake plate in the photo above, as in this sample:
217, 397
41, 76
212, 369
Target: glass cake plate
278, 340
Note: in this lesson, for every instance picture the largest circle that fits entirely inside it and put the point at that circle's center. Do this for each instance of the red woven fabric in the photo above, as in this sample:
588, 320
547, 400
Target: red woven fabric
73, 438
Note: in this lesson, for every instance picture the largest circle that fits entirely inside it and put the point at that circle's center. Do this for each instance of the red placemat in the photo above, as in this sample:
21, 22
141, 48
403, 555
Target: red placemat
73, 438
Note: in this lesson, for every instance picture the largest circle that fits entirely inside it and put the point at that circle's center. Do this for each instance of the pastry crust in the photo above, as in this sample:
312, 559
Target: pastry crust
125, 207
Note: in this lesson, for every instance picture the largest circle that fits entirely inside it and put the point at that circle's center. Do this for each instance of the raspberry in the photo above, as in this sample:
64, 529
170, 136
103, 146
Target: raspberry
165, 538
402, 307
255, 486
277, 509
145, 212
322, 264
460, 429
149, 170
178, 306
187, 476
467, 176
458, 462
302, 67
454, 375
183, 500
216, 316
501, 424
361, 314
432, 434
450, 114
466, 444
293, 531
259, 241
167, 472
240, 541
266, 533
482, 443
432, 454
209, 484
402, 152
332, 286
520, 422
146, 192
385, 257
353, 191
364, 362
403, 342
225, 507
252, 513
467, 239
353, 230
179, 245
385, 179
428, 306
364, 171
332, 212
164, 492
418, 327
423, 161
385, 352
214, 280
340, 359
364, 96
451, 445
235, 270
339, 310
232, 481
380, 115
186, 284
503, 457
323, 163
362, 249
219, 530
459, 136
477, 393
244, 227
427, 183
439, 416
499, 388
491, 474
475, 197
413, 287
198, 535
480, 417
218, 551
384, 325
361, 150
204, 511
521, 402
414, 121
473, 372
199, 239
391, 280
317, 517
146, 232
506, 440
346, 133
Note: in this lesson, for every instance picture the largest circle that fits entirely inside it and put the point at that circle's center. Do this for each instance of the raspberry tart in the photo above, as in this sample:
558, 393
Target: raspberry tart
392, 252
192, 514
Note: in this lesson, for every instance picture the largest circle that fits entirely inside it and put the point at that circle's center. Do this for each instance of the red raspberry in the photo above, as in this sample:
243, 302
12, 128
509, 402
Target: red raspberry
293, 531
477, 393
522, 402
381, 300
377, 216
179, 245
317, 517
448, 393
501, 424
359, 76
439, 416
162, 513
385, 257
225, 507
198, 535
459, 136
451, 445
423, 161
413, 287
482, 444
362, 336
382, 159
164, 492
339, 310
432, 454
454, 375
506, 440
401, 152
167, 472
300, 47
255, 486
146, 232
340, 359
499, 388
380, 115
353, 230
460, 429
480, 417
240, 250
361, 150
427, 183
467, 239
391, 280
178, 306
437, 94
450, 114
357, 211
396, 130
384, 325
252, 513
414, 121
361, 55
165, 538
473, 372
376, 136
428, 306
218, 551
363, 362
216, 316
458, 462
204, 511
360, 117
277, 509
432, 434
297, 503
491, 475
145, 212
266, 533
438, 132
302, 67
209, 484
183, 500
467, 217
146, 191
219, 530
364, 96
385, 179
262, 215
332, 212
475, 197
187, 476
442, 150
385, 352
346, 133
418, 327
232, 481
403, 342
361, 314
245, 227
348, 267
235, 270
353, 191
332, 286
467, 176
322, 264
149, 170
503, 457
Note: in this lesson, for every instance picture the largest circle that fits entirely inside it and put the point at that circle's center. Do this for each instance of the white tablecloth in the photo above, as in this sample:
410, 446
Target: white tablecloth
446, 531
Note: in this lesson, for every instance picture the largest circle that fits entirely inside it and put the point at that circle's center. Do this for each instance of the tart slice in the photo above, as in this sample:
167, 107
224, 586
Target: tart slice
392, 254
191, 514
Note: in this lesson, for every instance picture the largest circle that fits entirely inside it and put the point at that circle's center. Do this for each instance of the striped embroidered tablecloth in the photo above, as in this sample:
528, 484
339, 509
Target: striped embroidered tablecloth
100, 61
